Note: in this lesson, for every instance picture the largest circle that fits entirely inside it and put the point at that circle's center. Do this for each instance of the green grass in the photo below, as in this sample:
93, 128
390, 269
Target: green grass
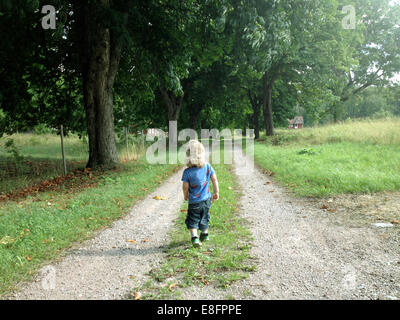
385, 132
36, 230
42, 158
354, 157
220, 261
46, 146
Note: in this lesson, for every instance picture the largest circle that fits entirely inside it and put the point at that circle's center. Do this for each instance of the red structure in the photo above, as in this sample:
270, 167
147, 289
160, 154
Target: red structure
296, 123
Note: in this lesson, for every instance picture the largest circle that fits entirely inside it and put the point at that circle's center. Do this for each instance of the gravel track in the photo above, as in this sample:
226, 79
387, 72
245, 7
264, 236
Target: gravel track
101, 268
302, 254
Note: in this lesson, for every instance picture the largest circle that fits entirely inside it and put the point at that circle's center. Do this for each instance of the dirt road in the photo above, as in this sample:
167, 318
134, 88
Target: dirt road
301, 253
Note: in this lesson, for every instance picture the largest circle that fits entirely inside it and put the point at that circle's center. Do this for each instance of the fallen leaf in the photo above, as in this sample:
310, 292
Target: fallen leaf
132, 241
146, 240
271, 190
132, 277
331, 210
205, 282
159, 198
24, 232
184, 210
324, 207
6, 240
395, 222
137, 295
130, 196
171, 286
268, 182
28, 258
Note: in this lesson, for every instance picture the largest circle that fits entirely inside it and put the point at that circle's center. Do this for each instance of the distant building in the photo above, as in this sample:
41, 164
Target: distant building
296, 123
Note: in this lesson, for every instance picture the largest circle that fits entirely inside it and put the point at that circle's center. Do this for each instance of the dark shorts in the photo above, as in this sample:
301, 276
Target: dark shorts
198, 215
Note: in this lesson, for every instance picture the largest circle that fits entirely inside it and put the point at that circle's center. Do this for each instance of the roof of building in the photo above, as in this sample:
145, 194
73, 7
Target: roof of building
297, 120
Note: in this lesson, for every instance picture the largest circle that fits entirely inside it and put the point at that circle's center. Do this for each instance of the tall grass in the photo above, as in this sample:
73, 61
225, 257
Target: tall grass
42, 157
351, 157
385, 131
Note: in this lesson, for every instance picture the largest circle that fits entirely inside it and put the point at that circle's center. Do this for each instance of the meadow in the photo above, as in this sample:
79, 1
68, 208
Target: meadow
356, 157
33, 158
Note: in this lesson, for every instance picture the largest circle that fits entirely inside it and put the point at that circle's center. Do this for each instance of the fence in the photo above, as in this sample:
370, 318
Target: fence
29, 158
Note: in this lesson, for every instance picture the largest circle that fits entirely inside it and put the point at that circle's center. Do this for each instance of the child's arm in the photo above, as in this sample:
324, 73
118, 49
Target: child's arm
214, 180
185, 188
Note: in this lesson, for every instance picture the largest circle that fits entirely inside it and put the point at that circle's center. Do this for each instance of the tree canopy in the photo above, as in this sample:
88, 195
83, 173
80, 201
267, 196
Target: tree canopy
206, 64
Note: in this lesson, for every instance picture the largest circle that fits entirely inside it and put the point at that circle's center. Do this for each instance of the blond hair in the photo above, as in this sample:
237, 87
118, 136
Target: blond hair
195, 154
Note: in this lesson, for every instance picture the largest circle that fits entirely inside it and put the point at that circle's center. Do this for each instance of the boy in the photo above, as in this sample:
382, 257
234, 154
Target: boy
196, 189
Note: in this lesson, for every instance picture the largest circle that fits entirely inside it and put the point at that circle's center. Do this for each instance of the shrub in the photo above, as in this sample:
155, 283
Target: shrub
13, 150
42, 129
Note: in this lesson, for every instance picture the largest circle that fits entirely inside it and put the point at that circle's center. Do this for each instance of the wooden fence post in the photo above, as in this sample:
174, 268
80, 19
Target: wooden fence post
126, 142
62, 150
143, 139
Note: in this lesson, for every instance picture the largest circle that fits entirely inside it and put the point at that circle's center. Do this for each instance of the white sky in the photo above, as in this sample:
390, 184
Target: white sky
396, 78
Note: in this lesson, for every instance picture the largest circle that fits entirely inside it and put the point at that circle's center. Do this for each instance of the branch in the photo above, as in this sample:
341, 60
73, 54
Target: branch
116, 46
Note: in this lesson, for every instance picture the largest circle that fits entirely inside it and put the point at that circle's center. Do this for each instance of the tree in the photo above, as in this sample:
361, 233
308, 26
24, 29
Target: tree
280, 35
375, 58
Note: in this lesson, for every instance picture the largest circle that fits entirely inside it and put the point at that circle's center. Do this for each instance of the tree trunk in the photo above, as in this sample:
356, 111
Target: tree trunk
100, 54
256, 106
267, 109
174, 106
173, 103
268, 80
194, 113
193, 121
335, 115
256, 124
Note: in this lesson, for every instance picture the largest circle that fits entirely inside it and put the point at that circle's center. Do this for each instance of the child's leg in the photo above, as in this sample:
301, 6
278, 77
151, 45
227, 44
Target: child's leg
193, 233
204, 236
204, 222
192, 222
195, 239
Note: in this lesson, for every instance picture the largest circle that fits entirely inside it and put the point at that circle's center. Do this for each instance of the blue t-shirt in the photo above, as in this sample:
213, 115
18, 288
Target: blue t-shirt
199, 182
